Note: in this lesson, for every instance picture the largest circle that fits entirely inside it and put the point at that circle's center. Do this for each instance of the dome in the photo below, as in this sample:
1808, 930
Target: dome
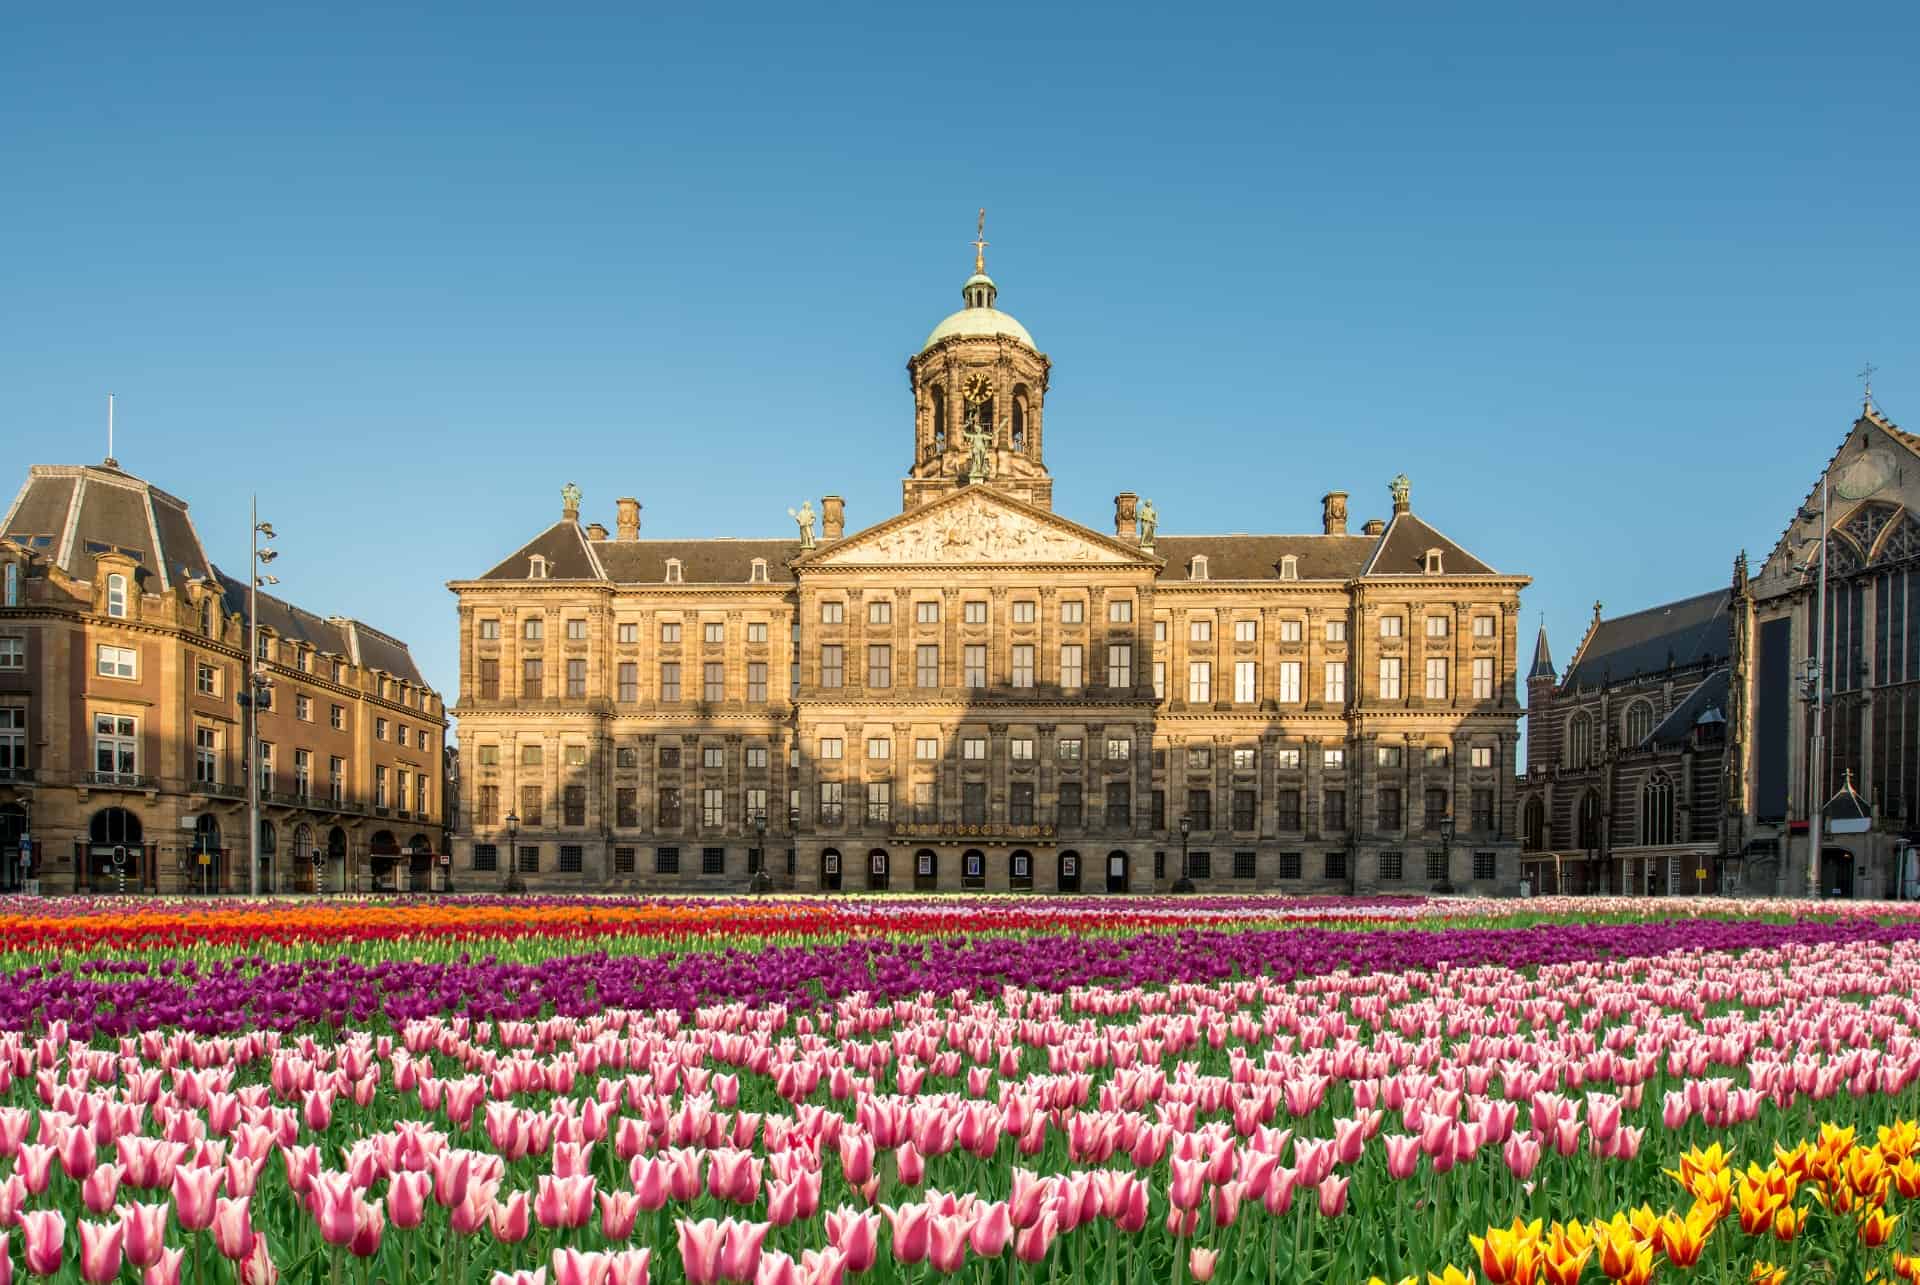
979, 319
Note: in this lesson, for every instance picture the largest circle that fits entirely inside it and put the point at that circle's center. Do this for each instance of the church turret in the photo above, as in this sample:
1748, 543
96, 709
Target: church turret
979, 384
1542, 658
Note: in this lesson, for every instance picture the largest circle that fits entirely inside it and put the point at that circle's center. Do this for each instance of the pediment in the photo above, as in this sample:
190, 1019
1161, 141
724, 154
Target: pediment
976, 526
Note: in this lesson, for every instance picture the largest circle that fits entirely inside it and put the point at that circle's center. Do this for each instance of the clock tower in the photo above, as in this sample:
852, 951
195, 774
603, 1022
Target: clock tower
979, 387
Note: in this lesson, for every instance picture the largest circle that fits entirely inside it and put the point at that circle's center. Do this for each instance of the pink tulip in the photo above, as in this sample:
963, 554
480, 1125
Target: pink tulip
510, 1219
911, 1165
474, 1211
76, 1153
536, 1277
232, 1228
1403, 1155
1333, 1196
368, 1225
164, 1270
257, 1267
1521, 1153
13, 1198
1030, 1244
44, 1232
564, 1202
992, 1230
741, 1248
648, 1174
618, 1212
579, 1267
194, 1191
856, 1157
910, 1232
857, 1236
101, 1188
1189, 1183
777, 1269
407, 1195
629, 1267
34, 1164
947, 1242
146, 1231
330, 1196
1200, 1263
101, 1249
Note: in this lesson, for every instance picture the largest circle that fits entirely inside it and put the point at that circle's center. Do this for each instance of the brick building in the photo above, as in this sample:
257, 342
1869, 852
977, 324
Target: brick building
123, 727
978, 692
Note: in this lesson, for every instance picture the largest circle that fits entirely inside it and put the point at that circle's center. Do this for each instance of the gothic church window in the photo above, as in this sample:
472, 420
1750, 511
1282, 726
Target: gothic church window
1656, 810
1580, 740
1639, 723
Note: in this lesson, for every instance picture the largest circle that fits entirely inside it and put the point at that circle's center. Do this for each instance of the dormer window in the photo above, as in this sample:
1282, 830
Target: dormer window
537, 568
262, 643
758, 575
1197, 568
206, 616
1432, 563
13, 584
117, 595
673, 571
1289, 567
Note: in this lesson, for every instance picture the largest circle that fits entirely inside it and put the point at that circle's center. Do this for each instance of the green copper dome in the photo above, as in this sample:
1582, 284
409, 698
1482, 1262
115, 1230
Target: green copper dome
979, 319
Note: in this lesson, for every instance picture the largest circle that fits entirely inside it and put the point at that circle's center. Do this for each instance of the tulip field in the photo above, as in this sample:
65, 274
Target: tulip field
989, 1090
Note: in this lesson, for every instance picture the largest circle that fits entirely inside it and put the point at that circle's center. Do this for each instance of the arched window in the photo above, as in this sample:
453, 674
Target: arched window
269, 839
1020, 420
1656, 810
939, 395
206, 616
13, 584
1639, 723
1587, 829
114, 826
116, 595
303, 841
1533, 826
1580, 740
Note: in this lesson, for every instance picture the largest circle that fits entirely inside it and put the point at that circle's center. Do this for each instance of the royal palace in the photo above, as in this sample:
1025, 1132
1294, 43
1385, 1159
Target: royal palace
978, 693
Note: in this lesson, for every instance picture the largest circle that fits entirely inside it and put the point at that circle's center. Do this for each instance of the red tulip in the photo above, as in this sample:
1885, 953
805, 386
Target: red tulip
101, 1246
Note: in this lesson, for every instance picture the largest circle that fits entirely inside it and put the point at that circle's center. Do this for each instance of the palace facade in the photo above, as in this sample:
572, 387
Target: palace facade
123, 708
979, 693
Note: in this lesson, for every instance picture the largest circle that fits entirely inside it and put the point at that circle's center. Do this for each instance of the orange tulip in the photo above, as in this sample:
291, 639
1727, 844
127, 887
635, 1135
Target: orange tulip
1624, 1257
1906, 1178
1788, 1223
1509, 1256
1877, 1228
1683, 1239
1899, 1140
1561, 1265
1765, 1273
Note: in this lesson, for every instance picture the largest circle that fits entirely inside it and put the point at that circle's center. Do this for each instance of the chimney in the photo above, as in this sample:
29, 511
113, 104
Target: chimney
1333, 513
595, 531
1126, 509
628, 521
1374, 526
833, 517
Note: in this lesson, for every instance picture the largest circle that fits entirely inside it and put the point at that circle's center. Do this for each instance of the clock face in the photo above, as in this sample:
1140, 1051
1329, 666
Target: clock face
977, 388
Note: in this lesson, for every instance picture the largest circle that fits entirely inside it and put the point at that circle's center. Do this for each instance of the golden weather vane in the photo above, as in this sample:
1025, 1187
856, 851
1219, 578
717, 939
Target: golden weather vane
1866, 383
980, 243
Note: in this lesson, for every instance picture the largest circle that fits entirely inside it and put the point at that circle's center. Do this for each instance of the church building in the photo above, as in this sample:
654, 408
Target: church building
981, 693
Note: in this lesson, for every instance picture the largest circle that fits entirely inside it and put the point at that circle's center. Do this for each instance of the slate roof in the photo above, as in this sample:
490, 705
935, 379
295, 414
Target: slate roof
1403, 551
1707, 701
1257, 557
362, 644
1690, 632
701, 561
1542, 658
565, 548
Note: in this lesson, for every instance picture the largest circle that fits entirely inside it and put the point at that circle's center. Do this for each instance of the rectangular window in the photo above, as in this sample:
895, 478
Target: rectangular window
1390, 678
713, 808
1199, 682
627, 632
1023, 612
1484, 866
1333, 811
1245, 684
1119, 806
1436, 756
489, 680
1392, 867
303, 773
1387, 756
626, 807
1287, 760
879, 747
669, 631
832, 747
927, 612
833, 672
1069, 749
757, 682
713, 756
116, 662
1482, 756
1289, 865
1023, 663
1020, 749
1437, 865
1067, 809
626, 756
879, 664
1287, 810
400, 734
925, 812
623, 861
379, 729
669, 756
1336, 866
666, 861
1246, 631
206, 680
973, 802
1243, 810
532, 678
1390, 810
1159, 631
757, 804
670, 681
1157, 806
926, 748
1290, 631
1483, 678
530, 858
1336, 631
1073, 612
1072, 671
1436, 678
1334, 759
1159, 680
667, 810
1390, 626
833, 802
206, 748
756, 631
532, 755
532, 800
576, 679
1200, 865
713, 861
1200, 808
1437, 626
714, 631
713, 681
974, 612
574, 755
879, 802
1120, 666
1120, 611
629, 681
1199, 758
926, 665
337, 780
486, 856
533, 629
974, 661
1483, 626
1336, 682
1020, 803
756, 756
1119, 749
1200, 629
576, 630
1244, 864
974, 749
13, 653
489, 628
573, 805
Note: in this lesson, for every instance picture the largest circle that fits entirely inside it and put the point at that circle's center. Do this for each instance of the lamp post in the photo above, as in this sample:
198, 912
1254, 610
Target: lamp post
1185, 882
257, 684
513, 853
1446, 847
758, 879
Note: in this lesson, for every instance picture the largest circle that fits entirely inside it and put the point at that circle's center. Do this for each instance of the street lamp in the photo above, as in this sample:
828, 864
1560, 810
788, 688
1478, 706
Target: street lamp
258, 683
758, 879
513, 853
1446, 847
1185, 882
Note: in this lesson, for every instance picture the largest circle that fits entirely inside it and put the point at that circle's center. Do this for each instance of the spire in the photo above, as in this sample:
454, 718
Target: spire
980, 244
1542, 658
979, 291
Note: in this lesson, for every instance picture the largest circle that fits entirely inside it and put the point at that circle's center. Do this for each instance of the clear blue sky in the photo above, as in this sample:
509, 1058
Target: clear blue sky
1598, 284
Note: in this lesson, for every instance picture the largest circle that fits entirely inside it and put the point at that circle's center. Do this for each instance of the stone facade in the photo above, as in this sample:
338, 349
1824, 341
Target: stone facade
123, 728
980, 693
